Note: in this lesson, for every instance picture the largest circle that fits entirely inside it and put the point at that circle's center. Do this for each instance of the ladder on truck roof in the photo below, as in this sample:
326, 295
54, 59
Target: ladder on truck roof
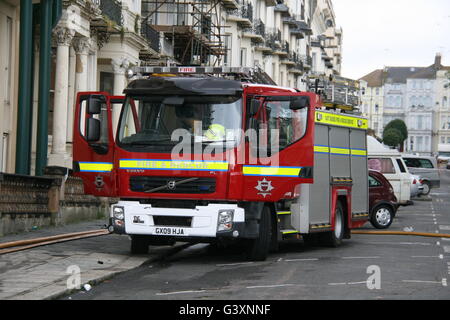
337, 92
244, 74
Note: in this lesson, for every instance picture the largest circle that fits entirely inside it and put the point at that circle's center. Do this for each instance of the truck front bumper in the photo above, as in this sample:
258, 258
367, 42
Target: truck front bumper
181, 223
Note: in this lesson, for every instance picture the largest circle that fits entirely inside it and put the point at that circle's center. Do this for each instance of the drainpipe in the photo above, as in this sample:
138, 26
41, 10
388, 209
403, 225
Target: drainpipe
23, 142
44, 85
51, 11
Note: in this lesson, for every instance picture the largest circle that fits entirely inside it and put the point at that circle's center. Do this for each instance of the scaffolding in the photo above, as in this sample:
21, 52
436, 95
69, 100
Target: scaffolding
192, 30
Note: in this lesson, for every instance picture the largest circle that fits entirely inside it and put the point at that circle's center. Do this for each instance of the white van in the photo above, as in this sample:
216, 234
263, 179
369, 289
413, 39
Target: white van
390, 163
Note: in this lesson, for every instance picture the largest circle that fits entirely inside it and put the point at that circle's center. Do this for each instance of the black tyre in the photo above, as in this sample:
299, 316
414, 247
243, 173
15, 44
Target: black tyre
258, 249
334, 238
426, 188
382, 216
139, 244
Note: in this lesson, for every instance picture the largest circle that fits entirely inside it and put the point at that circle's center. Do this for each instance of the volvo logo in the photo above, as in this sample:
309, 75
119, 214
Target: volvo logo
171, 184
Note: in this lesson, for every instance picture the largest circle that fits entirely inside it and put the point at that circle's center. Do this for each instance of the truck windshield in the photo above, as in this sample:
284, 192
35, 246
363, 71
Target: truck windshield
162, 122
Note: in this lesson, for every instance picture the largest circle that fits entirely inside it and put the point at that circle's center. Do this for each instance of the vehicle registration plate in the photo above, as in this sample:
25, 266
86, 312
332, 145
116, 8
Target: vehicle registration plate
170, 231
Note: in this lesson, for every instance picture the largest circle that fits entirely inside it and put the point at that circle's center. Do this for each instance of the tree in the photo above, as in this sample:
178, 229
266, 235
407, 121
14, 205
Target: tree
400, 126
392, 137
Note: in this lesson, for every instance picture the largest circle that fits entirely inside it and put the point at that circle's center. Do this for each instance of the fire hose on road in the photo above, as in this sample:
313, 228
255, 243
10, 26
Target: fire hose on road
403, 233
14, 246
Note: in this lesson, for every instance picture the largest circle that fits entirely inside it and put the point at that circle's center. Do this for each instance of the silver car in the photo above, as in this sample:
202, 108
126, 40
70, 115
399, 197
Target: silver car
427, 168
416, 186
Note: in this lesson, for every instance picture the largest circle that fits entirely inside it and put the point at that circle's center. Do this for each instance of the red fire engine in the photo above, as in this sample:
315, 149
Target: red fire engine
205, 154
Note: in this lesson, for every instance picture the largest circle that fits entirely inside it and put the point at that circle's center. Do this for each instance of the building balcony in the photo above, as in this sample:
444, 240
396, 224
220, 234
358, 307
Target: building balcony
271, 3
111, 10
283, 9
282, 51
243, 16
257, 33
230, 4
151, 35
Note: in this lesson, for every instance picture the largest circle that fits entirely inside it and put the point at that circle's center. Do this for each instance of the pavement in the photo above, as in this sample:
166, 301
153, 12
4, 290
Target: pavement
53, 271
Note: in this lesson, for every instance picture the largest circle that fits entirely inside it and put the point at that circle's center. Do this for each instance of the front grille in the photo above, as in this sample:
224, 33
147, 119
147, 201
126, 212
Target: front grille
169, 221
172, 185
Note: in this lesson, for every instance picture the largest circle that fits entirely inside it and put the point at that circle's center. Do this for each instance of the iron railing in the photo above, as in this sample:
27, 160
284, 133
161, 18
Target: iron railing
113, 10
151, 35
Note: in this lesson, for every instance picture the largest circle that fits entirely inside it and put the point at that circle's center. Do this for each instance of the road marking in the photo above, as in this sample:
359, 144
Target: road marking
439, 256
294, 260
447, 249
233, 264
422, 281
361, 282
346, 283
271, 286
444, 282
179, 292
442, 227
376, 257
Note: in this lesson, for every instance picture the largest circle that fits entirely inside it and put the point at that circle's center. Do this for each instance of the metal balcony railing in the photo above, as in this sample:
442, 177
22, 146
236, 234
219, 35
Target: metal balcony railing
111, 9
260, 28
151, 35
245, 11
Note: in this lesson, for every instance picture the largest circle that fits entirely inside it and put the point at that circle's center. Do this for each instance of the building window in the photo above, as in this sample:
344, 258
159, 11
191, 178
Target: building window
243, 57
419, 146
377, 91
419, 122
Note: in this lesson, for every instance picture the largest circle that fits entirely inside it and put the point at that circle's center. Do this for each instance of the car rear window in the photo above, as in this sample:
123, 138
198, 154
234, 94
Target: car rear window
418, 163
383, 165
425, 163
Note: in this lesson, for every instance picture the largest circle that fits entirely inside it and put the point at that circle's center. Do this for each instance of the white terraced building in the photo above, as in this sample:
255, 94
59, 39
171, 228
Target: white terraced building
95, 41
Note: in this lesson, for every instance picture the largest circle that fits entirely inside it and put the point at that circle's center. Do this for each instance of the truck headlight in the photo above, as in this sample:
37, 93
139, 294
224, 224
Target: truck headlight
118, 213
225, 220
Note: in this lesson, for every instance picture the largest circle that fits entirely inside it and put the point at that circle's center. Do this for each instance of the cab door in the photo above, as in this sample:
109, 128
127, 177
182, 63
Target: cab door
281, 153
93, 142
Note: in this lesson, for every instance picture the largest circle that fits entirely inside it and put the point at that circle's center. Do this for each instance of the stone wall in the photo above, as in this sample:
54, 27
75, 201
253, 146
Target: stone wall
28, 202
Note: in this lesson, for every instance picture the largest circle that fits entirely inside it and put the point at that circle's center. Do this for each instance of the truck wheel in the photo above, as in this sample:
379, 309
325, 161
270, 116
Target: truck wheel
382, 217
139, 244
258, 249
334, 238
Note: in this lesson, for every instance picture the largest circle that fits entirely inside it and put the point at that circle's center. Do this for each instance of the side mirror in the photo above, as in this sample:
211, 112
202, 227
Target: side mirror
93, 130
254, 107
95, 104
299, 103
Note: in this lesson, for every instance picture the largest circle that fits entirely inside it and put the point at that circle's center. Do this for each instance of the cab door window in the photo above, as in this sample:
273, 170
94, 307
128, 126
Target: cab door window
278, 125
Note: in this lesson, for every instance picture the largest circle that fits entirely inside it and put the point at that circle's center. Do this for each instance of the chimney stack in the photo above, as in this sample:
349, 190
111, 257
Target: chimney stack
437, 61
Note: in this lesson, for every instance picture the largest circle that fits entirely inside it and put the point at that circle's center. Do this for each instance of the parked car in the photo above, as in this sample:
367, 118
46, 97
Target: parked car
390, 163
383, 203
416, 186
427, 168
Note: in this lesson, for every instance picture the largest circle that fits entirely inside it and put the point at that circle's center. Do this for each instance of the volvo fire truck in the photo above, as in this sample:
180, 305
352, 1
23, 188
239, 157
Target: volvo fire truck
218, 155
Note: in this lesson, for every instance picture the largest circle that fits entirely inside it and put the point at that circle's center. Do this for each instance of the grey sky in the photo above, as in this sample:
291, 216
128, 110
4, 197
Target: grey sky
380, 33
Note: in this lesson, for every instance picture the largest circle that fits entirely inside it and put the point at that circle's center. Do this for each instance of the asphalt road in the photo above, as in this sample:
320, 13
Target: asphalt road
365, 267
